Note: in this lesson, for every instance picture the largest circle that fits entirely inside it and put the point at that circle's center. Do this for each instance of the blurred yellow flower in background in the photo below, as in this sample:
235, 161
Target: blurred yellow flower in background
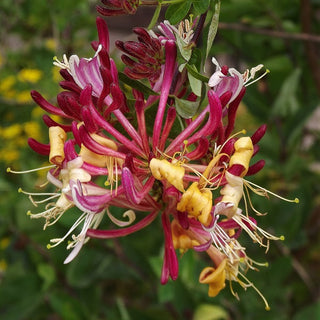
29, 75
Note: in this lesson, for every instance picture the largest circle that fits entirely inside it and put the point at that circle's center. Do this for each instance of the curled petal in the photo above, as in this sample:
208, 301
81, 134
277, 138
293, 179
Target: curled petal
243, 153
164, 170
215, 277
57, 138
197, 203
232, 193
129, 213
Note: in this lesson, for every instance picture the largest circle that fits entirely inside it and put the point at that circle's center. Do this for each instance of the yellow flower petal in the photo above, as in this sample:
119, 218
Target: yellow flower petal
57, 138
243, 153
215, 277
232, 192
164, 170
197, 203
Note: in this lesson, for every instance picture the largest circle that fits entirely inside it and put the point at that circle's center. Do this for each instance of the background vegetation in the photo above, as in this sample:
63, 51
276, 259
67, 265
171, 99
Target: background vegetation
119, 279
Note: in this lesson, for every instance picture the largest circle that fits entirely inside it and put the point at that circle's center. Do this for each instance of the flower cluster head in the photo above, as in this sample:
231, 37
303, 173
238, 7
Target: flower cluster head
105, 152
118, 7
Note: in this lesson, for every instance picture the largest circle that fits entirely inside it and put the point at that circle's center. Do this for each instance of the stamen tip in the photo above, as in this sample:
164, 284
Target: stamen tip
296, 200
8, 169
282, 238
267, 308
29, 213
20, 190
49, 246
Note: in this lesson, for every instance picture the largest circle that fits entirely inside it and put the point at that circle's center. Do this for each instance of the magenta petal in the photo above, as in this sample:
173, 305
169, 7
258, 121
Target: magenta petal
171, 54
171, 116
256, 167
185, 134
131, 192
258, 135
45, 105
214, 121
69, 104
94, 146
89, 122
41, 148
203, 247
116, 134
183, 219
69, 150
200, 151
75, 132
51, 123
103, 33
233, 107
236, 169
89, 203
170, 259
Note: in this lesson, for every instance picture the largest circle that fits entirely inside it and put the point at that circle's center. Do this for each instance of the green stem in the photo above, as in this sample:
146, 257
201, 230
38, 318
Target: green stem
148, 3
172, 1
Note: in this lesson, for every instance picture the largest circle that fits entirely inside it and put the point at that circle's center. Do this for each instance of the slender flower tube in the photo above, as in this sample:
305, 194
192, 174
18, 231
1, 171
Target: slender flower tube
171, 53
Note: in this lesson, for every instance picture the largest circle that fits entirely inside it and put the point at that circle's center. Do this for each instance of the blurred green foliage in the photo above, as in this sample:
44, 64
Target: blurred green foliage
119, 279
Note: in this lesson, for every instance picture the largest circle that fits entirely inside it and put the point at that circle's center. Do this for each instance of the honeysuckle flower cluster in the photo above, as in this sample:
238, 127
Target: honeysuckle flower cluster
105, 152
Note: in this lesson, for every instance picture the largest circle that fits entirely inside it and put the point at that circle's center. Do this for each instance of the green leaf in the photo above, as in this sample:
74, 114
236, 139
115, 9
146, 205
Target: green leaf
213, 28
196, 58
195, 84
196, 74
210, 312
47, 273
185, 50
136, 85
286, 103
186, 109
200, 6
177, 11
